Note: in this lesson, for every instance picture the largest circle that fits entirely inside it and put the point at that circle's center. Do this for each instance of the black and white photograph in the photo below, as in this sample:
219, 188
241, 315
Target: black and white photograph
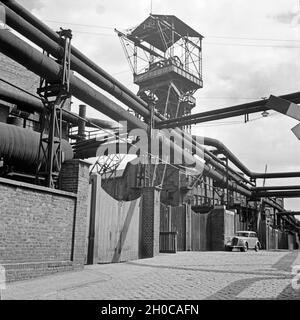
149, 153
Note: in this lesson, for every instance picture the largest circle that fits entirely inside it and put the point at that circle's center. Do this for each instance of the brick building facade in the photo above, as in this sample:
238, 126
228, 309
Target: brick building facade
42, 230
18, 75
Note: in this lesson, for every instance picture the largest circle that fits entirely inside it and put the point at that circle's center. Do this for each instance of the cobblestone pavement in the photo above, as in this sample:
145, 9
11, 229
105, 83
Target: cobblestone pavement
185, 275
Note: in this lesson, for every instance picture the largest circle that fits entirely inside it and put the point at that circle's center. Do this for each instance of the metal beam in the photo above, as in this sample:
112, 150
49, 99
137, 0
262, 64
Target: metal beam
289, 213
28, 103
277, 194
93, 75
223, 113
35, 61
50, 41
53, 35
277, 188
32, 28
137, 42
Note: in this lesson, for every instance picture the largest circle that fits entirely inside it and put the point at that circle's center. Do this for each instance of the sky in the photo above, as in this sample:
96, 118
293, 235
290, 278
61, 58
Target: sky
251, 50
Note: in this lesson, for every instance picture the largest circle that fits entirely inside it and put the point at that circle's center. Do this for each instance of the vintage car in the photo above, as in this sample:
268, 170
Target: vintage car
243, 240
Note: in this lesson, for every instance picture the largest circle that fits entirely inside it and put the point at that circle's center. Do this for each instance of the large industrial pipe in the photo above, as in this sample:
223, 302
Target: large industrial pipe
228, 112
289, 213
21, 146
276, 206
277, 194
222, 148
52, 34
276, 188
40, 33
52, 46
40, 39
25, 101
42, 65
81, 122
28, 103
44, 37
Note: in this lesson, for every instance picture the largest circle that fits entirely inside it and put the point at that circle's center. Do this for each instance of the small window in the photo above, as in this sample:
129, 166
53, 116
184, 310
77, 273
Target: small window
243, 234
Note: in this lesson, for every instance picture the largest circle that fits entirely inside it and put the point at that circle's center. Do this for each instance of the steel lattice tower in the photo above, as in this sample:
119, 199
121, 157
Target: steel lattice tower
165, 56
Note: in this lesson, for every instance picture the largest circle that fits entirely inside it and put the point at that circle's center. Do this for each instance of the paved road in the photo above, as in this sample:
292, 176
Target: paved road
185, 275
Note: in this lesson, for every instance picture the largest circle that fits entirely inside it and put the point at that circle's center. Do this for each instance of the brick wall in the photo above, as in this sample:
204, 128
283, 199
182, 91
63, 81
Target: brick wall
35, 225
17, 74
74, 177
42, 230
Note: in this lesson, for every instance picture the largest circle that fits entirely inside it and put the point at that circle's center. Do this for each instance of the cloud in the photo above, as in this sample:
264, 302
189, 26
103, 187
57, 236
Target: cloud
100, 9
32, 4
286, 17
237, 69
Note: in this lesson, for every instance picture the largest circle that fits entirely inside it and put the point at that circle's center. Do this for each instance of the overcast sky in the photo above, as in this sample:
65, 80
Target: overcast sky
251, 50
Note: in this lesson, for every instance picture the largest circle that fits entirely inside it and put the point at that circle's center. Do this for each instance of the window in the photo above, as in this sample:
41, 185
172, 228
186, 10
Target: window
242, 234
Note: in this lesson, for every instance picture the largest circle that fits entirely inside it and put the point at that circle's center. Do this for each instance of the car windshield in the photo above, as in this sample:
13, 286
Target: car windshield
242, 234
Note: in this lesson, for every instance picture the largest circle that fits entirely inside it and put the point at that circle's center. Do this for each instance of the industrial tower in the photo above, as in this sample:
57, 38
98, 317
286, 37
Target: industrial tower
165, 56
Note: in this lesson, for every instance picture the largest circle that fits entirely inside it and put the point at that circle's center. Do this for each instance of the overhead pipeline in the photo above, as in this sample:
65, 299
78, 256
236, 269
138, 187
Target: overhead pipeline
20, 147
28, 103
223, 149
44, 66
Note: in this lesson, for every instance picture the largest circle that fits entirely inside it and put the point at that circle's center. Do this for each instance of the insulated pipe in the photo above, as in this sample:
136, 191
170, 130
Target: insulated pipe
15, 6
277, 194
275, 188
29, 26
289, 213
25, 101
21, 146
40, 33
272, 204
222, 113
215, 161
81, 122
200, 118
221, 147
279, 208
42, 65
53, 47
45, 67
30, 104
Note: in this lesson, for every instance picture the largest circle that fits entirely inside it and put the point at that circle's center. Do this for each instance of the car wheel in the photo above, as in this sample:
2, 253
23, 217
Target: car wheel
245, 247
257, 247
